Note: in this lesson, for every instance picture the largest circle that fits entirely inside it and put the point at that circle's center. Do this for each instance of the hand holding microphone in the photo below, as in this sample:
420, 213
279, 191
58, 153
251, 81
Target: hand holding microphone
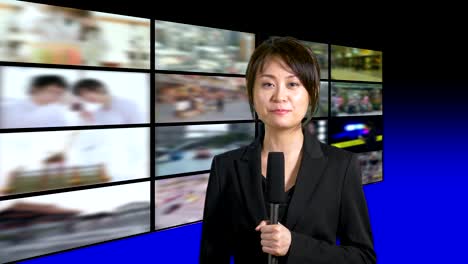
275, 237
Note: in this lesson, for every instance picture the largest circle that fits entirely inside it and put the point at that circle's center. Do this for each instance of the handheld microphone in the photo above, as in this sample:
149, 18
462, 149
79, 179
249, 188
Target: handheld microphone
275, 189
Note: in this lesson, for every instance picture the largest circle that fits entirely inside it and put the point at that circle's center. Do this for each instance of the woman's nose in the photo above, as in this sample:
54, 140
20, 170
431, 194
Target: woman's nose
280, 93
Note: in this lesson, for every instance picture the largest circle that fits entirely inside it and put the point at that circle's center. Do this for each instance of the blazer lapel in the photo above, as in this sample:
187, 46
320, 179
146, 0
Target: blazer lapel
311, 169
249, 176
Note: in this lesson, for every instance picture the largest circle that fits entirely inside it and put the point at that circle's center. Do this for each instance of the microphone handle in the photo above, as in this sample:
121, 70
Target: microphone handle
274, 215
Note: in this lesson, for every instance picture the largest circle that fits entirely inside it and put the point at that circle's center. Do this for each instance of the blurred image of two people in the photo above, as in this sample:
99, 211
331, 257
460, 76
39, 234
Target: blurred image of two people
51, 101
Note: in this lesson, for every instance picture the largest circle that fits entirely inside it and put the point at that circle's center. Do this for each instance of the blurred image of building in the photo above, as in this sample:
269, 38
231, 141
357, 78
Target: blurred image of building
24, 214
30, 229
21, 181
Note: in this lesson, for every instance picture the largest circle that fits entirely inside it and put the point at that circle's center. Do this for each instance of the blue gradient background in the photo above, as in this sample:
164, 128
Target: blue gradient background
419, 212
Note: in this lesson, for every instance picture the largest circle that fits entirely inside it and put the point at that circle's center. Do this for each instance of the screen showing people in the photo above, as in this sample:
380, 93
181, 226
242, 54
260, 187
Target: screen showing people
356, 99
42, 97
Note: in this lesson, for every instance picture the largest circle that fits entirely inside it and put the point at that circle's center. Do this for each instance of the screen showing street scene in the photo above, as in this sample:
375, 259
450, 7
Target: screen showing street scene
371, 166
188, 98
355, 64
180, 200
357, 134
190, 148
45, 224
192, 48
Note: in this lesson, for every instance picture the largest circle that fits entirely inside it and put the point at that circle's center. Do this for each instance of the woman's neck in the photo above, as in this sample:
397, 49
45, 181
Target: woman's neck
284, 140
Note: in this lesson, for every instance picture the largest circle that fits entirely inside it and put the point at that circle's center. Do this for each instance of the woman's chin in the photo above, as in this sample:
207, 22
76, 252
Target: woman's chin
281, 124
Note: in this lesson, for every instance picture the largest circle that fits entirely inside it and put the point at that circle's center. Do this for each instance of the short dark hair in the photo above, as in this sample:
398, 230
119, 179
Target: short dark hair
41, 81
299, 57
92, 85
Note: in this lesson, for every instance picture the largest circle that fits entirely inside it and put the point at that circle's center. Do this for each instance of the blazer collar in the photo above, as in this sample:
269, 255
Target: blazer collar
249, 175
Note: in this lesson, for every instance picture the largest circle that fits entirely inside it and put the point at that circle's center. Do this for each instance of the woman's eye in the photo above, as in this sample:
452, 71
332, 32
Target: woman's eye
267, 84
294, 84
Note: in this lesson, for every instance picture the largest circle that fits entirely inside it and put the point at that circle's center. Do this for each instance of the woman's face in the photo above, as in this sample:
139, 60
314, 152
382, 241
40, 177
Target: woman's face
280, 99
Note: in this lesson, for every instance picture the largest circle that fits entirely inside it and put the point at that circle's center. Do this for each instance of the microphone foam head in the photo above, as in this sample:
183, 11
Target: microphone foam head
275, 178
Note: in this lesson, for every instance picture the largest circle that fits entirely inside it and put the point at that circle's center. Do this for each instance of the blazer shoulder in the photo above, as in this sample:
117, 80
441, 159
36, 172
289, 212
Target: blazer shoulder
231, 154
335, 153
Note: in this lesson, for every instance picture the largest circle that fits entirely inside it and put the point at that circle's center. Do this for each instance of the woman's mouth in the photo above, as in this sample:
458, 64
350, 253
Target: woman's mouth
280, 111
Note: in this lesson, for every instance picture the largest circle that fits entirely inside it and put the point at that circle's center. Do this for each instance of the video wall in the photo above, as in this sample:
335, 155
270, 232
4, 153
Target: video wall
356, 110
109, 123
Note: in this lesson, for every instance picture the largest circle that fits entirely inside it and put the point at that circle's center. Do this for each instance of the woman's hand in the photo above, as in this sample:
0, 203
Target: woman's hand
275, 239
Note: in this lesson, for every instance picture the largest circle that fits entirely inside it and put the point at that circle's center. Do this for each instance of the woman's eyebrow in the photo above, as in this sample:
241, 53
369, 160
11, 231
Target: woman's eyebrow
268, 75
272, 76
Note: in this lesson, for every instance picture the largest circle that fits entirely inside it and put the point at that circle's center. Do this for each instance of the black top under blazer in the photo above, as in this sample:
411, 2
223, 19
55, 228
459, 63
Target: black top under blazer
328, 202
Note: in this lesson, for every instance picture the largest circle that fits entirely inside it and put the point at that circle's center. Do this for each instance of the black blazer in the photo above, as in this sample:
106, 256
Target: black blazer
328, 201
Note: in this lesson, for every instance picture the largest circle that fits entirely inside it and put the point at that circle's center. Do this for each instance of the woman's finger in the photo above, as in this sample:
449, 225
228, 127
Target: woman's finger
262, 223
269, 236
271, 228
